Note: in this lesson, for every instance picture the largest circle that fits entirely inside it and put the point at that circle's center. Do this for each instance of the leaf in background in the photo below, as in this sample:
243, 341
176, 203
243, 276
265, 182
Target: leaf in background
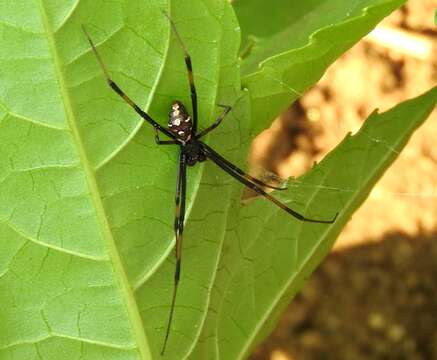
294, 43
269, 255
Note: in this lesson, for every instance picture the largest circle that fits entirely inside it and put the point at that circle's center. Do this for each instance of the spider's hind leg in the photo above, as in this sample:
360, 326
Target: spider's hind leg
217, 122
163, 142
189, 67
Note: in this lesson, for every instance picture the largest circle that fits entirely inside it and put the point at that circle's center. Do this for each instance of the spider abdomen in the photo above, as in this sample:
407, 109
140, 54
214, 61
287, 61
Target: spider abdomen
179, 122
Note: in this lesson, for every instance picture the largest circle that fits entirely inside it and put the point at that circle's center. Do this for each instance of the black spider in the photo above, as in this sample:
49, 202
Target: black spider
182, 129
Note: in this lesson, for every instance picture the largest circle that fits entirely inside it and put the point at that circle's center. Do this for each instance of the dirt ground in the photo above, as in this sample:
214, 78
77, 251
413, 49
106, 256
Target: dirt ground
375, 296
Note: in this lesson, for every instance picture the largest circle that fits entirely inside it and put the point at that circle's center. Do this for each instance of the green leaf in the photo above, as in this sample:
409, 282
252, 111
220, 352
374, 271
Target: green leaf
87, 197
268, 256
290, 44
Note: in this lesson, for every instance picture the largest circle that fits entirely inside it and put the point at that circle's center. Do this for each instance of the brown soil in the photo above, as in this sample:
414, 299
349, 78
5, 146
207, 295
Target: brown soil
375, 296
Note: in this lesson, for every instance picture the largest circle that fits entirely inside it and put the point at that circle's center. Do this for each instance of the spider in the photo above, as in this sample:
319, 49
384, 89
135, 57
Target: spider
182, 130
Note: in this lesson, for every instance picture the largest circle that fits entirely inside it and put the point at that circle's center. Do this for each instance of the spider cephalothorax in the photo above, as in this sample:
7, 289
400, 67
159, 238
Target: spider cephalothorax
193, 152
179, 122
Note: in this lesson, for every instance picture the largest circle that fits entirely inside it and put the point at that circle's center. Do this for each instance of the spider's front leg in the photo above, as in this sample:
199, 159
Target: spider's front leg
254, 184
181, 186
121, 93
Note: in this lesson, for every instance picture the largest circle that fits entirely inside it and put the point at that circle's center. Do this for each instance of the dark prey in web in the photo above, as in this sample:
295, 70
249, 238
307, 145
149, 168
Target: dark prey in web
182, 130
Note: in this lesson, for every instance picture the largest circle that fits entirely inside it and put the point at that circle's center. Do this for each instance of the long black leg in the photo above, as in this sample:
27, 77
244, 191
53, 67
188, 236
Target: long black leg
179, 229
218, 161
121, 93
189, 71
164, 142
237, 169
217, 122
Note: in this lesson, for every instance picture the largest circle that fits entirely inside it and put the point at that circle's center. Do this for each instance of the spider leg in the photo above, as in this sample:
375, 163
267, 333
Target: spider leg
164, 142
121, 93
178, 228
237, 170
219, 162
217, 122
189, 71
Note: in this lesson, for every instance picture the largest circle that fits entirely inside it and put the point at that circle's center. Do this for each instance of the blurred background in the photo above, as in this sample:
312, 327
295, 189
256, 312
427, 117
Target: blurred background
375, 295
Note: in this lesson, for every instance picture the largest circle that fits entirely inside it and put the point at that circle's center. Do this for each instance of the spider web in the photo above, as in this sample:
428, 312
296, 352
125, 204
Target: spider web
384, 200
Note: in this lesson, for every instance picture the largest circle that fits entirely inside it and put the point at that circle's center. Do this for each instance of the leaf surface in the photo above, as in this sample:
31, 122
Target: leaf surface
288, 45
87, 197
269, 255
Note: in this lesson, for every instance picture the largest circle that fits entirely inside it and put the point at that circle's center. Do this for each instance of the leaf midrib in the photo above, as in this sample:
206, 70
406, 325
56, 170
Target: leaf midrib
129, 299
